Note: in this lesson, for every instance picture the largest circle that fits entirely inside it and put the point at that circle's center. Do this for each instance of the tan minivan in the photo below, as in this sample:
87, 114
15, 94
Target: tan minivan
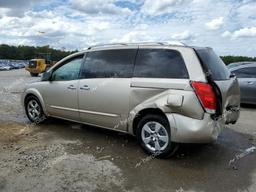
163, 94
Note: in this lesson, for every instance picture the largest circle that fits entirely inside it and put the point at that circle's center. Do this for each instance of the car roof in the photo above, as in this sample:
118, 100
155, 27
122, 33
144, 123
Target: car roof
128, 46
170, 43
111, 46
241, 63
251, 64
134, 45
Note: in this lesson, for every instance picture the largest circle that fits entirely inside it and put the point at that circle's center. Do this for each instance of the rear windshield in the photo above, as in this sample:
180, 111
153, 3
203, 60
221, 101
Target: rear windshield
213, 64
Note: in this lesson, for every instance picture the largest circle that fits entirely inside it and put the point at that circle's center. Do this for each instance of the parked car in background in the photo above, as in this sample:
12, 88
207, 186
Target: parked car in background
5, 67
163, 94
236, 64
246, 74
6, 64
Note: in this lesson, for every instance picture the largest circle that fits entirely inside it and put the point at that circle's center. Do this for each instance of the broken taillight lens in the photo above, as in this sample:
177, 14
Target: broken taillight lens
206, 95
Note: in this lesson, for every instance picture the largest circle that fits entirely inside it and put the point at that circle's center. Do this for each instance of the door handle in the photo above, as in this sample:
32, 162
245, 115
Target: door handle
250, 82
72, 87
85, 87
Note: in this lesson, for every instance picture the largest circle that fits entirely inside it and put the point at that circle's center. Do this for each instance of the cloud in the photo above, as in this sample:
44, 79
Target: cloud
99, 7
76, 24
241, 33
226, 34
154, 7
182, 36
3, 11
134, 36
215, 23
246, 13
16, 7
15, 3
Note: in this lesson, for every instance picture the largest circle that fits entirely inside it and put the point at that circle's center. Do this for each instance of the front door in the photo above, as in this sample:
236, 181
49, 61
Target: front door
60, 93
104, 88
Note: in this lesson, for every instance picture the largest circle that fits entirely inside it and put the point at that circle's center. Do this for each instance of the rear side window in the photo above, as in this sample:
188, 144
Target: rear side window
109, 63
213, 64
248, 72
160, 63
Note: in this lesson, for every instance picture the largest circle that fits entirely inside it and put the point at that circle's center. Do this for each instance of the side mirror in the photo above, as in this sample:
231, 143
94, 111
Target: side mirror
46, 76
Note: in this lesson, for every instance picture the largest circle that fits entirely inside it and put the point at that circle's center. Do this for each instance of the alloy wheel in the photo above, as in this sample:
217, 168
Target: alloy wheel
34, 110
155, 136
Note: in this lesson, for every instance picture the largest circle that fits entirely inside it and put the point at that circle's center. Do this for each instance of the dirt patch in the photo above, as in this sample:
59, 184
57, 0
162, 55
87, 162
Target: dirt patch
28, 164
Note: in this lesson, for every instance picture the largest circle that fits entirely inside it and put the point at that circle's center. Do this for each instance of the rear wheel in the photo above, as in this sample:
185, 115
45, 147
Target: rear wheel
34, 110
34, 74
154, 135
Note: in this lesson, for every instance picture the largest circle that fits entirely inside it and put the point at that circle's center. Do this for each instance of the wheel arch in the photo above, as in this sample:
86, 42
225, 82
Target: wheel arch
35, 93
142, 113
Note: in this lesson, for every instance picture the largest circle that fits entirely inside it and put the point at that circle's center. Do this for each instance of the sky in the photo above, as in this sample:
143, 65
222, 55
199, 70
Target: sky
228, 26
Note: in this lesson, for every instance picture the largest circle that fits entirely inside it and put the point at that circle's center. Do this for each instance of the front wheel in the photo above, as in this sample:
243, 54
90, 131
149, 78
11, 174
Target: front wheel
34, 110
154, 135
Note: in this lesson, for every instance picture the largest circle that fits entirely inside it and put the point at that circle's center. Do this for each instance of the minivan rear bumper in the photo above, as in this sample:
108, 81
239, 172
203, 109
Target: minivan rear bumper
188, 130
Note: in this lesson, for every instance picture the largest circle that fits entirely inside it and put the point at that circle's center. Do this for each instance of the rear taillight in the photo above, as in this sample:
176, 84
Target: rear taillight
206, 95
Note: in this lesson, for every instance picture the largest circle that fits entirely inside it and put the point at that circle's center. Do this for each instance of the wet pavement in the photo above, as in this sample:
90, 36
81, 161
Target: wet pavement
65, 156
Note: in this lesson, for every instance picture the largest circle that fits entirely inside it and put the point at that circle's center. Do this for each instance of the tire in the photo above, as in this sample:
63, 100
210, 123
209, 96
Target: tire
34, 74
155, 142
34, 110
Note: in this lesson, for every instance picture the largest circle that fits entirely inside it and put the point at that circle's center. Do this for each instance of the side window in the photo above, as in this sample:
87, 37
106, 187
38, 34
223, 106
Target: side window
68, 71
160, 63
249, 72
109, 63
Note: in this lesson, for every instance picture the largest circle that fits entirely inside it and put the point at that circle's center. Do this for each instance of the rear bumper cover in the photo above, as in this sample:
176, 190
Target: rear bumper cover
188, 130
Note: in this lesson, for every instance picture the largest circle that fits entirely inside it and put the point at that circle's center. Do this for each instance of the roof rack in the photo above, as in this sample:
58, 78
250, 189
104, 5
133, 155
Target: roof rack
109, 44
139, 43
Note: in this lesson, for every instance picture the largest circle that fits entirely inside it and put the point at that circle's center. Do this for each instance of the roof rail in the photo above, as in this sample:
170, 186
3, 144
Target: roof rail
109, 44
175, 43
139, 43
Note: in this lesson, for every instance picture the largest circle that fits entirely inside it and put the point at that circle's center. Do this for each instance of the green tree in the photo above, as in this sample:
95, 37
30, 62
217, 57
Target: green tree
29, 52
232, 59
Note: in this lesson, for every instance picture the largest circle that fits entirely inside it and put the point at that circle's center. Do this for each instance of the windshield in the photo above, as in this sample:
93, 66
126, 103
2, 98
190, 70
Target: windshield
32, 64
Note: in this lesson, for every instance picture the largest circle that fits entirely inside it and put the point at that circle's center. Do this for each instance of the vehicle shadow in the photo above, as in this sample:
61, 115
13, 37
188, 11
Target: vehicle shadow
196, 167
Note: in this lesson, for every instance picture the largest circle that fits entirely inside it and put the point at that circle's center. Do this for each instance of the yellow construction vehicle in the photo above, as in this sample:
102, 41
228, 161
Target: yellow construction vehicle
40, 64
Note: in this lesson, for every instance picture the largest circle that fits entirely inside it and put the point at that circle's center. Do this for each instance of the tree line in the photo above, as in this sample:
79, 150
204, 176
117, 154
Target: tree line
29, 52
232, 59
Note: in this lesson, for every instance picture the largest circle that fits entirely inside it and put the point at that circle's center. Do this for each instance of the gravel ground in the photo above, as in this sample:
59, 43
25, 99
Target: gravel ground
65, 156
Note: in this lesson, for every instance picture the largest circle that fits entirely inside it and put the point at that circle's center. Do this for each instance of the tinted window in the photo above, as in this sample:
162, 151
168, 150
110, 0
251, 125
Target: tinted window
160, 63
249, 72
68, 71
213, 64
109, 63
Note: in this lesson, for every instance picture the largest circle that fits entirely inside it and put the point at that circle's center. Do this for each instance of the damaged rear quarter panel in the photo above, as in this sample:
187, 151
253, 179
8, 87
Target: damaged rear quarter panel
155, 94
